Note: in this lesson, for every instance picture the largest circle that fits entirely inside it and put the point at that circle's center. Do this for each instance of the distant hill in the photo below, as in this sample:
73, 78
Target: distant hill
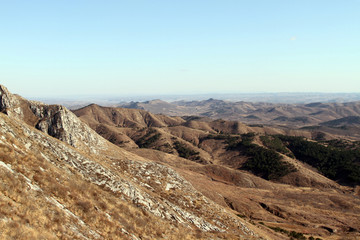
74, 102
343, 122
260, 113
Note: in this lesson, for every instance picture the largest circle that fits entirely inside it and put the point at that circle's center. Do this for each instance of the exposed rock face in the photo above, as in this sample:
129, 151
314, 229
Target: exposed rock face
9, 103
55, 120
59, 122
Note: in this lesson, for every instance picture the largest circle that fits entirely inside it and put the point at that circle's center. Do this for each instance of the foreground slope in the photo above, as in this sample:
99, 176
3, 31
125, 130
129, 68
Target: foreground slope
83, 187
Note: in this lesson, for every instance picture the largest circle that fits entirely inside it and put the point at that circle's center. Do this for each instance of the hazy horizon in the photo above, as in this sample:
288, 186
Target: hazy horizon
284, 98
52, 49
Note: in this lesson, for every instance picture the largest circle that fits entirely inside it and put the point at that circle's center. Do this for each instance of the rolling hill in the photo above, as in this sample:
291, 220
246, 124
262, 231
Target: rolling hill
294, 116
114, 173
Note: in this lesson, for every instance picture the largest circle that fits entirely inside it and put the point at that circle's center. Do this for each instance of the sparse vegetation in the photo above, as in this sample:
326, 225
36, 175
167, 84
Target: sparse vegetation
148, 139
279, 229
319, 136
165, 148
296, 235
312, 238
291, 234
185, 152
343, 144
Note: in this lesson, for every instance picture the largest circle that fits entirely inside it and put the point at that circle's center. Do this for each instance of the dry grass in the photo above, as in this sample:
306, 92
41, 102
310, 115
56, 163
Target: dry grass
26, 213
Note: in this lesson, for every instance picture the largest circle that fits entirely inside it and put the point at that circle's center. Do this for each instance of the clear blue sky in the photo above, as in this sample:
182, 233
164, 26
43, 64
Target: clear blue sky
68, 47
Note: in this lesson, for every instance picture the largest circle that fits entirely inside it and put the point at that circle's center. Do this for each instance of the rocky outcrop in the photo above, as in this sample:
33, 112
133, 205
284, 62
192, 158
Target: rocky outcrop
9, 103
54, 120
59, 122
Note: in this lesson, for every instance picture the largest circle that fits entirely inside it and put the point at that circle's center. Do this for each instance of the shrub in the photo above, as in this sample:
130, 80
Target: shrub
85, 206
297, 235
185, 151
274, 143
148, 139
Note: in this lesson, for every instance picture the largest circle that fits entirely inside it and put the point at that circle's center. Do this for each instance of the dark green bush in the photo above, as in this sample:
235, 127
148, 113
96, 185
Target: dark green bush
185, 151
148, 139
278, 229
274, 143
297, 235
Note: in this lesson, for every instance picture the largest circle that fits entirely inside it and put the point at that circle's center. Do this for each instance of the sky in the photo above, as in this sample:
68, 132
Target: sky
92, 47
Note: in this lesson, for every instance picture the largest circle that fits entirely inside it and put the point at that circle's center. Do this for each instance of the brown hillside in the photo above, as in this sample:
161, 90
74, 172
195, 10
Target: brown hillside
95, 190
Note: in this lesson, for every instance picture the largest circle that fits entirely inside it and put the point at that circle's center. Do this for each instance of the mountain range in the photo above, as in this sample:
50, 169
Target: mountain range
118, 173
316, 115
